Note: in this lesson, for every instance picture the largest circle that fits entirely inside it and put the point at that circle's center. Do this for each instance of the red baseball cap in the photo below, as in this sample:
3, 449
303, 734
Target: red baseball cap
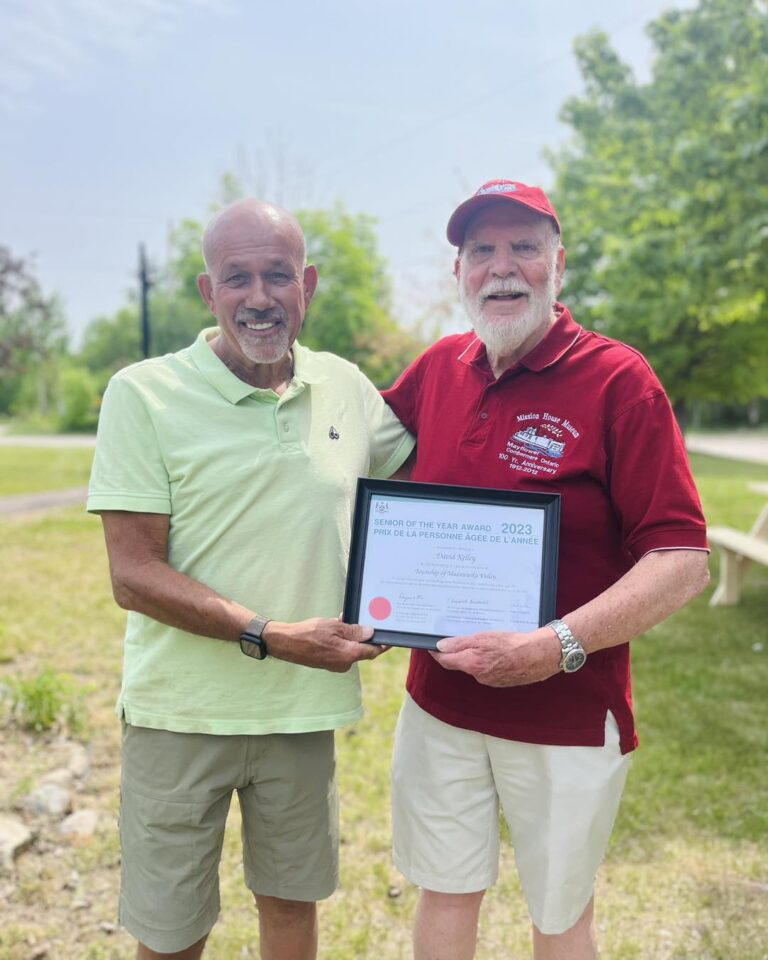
493, 191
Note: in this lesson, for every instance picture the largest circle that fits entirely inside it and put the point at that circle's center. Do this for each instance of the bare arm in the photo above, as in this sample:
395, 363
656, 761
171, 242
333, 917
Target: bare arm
662, 582
143, 580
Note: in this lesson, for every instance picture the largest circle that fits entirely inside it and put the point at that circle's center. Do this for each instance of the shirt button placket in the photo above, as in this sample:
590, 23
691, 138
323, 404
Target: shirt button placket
283, 426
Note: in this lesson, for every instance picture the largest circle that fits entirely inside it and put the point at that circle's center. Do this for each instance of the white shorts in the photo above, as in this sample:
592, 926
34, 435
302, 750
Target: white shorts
559, 803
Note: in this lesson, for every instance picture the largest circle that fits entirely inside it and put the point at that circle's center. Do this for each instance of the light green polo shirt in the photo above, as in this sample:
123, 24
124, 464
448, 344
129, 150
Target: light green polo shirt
260, 493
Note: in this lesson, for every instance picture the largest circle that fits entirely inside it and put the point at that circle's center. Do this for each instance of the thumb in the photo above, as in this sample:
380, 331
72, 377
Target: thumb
453, 644
356, 632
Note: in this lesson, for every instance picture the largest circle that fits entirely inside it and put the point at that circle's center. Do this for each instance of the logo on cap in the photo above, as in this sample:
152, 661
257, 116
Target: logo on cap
504, 187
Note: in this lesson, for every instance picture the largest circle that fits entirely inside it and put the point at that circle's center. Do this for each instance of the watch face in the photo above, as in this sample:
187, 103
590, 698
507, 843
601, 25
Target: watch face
253, 648
573, 660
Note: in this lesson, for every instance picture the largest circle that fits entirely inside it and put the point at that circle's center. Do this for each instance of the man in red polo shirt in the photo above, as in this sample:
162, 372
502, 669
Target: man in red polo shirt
541, 722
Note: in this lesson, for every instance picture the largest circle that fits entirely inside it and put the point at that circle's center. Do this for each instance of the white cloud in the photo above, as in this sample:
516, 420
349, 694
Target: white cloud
45, 41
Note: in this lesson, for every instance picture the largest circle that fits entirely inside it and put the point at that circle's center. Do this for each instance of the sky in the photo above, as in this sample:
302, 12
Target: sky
118, 119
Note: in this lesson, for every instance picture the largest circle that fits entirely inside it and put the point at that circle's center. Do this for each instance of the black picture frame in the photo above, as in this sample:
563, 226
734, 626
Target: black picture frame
428, 497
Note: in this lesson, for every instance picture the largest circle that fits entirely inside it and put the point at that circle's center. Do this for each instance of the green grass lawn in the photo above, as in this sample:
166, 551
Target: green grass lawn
687, 872
39, 469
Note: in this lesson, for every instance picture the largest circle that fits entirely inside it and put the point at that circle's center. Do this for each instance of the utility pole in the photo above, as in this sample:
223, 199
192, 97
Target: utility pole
144, 285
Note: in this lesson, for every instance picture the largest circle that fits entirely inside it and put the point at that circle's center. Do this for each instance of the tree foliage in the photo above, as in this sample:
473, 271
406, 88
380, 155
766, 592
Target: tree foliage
350, 313
110, 343
177, 313
32, 332
663, 193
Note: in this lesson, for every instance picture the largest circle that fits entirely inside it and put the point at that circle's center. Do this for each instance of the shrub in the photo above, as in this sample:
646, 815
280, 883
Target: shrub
45, 701
77, 400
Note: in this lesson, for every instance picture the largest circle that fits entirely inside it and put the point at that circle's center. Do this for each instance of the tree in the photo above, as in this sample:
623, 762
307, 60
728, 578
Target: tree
32, 332
77, 399
350, 313
177, 313
663, 191
110, 343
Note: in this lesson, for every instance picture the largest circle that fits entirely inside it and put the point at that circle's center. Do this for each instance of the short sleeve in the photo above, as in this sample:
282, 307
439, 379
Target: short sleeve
652, 488
128, 472
403, 395
390, 441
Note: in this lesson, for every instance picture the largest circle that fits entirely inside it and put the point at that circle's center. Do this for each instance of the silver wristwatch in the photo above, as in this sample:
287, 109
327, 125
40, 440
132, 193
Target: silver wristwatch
573, 654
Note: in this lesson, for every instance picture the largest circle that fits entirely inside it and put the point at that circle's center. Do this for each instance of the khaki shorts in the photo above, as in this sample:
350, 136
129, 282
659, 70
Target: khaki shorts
559, 803
175, 795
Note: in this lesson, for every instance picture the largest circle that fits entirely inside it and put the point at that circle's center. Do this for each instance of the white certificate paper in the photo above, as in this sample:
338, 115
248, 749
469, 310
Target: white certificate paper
436, 567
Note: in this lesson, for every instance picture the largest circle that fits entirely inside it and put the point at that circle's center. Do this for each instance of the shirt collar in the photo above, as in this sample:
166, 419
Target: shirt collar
306, 369
559, 339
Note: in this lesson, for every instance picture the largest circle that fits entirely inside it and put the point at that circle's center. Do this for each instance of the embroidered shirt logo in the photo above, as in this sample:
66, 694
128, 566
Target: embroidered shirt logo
539, 444
531, 440
333, 433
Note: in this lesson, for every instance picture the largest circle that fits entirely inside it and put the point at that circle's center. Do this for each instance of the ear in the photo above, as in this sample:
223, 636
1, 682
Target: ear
310, 284
205, 288
457, 268
560, 270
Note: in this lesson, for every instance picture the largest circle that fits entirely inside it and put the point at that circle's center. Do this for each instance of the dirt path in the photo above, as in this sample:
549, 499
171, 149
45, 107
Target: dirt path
752, 447
48, 440
35, 502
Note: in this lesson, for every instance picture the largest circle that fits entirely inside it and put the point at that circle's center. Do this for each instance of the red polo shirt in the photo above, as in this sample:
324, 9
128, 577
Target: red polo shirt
583, 416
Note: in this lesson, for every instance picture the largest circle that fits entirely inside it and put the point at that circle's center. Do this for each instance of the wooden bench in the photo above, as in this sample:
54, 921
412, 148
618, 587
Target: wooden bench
737, 551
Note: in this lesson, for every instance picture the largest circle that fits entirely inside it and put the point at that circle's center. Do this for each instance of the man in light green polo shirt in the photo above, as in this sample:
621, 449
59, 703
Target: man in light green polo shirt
225, 475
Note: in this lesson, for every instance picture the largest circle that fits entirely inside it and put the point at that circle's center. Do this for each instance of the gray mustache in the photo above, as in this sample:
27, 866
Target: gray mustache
258, 316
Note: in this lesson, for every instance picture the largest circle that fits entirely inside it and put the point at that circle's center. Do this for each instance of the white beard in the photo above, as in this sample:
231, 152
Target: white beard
502, 335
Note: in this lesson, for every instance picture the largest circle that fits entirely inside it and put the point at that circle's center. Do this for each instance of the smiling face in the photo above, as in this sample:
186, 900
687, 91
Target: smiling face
509, 271
258, 289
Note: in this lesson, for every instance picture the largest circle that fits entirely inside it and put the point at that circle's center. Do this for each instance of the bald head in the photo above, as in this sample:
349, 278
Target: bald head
250, 218
258, 287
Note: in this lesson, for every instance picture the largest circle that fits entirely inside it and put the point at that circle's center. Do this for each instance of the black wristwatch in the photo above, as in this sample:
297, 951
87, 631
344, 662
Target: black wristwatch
251, 642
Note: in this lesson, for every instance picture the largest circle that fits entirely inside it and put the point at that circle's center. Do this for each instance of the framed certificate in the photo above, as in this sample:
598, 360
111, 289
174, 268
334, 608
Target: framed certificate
429, 561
